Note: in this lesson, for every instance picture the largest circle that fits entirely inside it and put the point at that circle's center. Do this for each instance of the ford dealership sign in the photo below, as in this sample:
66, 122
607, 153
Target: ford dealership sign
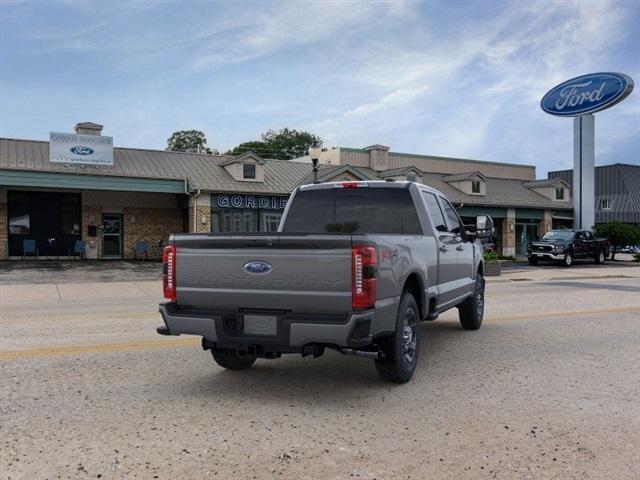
587, 94
75, 148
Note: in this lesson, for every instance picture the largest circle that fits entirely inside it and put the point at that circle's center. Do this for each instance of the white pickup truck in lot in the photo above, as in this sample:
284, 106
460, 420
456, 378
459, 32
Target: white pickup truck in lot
355, 267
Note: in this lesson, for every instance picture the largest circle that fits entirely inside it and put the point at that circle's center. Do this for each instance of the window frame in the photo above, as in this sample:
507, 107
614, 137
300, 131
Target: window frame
608, 204
431, 217
479, 184
560, 190
446, 202
244, 171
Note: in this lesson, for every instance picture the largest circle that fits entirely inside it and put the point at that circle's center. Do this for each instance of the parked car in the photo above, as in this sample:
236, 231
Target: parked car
629, 249
565, 246
355, 267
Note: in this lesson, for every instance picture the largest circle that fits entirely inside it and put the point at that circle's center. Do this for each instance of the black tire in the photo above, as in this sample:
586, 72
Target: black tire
401, 349
567, 261
471, 311
600, 257
230, 359
532, 260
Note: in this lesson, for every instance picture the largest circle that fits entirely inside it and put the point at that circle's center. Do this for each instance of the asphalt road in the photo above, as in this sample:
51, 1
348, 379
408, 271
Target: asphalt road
548, 388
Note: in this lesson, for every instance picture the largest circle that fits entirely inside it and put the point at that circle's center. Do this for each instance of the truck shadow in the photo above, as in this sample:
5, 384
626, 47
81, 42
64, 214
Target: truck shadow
335, 377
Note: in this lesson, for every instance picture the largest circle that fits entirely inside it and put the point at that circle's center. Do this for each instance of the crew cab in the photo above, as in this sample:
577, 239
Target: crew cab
565, 246
354, 267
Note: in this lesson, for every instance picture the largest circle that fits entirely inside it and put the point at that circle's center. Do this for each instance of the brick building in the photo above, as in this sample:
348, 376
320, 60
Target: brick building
145, 195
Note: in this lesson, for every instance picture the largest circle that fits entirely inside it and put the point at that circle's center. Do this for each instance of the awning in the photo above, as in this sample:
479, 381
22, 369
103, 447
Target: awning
29, 178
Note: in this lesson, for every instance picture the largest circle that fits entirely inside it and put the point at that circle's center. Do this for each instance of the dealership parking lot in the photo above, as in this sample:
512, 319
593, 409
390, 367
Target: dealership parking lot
548, 388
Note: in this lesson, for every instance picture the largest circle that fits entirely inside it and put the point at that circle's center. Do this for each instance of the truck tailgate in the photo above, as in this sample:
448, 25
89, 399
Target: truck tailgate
308, 273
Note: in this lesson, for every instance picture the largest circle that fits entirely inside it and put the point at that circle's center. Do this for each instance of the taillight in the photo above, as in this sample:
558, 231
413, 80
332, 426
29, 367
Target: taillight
364, 266
351, 185
169, 272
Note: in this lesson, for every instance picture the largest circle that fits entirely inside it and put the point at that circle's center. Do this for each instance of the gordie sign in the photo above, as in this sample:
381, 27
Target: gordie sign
587, 94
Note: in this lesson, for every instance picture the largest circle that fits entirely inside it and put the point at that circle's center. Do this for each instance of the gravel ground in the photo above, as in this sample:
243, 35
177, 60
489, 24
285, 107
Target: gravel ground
548, 388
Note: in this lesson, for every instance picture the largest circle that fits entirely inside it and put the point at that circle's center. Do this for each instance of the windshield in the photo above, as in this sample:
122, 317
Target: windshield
353, 210
558, 235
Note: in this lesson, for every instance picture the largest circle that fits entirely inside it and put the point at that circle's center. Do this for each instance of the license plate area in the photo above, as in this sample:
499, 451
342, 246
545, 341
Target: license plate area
263, 325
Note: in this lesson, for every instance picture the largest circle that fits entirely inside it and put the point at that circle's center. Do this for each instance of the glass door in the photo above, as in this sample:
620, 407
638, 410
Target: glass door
111, 235
525, 233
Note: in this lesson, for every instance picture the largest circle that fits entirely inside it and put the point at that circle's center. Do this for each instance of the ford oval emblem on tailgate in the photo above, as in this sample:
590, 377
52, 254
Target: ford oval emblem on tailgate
257, 267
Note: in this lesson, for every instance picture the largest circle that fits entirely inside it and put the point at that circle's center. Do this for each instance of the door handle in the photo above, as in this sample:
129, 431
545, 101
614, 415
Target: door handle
443, 248
460, 248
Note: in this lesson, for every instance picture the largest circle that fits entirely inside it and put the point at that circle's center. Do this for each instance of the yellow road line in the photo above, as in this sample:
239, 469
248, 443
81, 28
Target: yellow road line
191, 341
566, 314
101, 347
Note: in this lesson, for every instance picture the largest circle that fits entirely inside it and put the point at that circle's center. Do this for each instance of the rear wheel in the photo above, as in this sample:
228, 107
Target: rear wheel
402, 348
230, 359
567, 261
471, 311
600, 257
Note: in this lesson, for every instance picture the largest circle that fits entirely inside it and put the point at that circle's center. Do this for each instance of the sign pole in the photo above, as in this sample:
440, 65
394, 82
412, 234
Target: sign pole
579, 98
583, 171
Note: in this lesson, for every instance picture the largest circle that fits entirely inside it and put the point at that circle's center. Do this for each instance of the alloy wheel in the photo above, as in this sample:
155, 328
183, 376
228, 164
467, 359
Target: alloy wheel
409, 336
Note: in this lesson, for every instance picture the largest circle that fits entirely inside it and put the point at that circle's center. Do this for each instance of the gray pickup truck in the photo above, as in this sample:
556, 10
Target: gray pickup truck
354, 266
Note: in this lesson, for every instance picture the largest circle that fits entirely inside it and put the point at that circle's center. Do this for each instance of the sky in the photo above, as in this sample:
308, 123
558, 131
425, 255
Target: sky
450, 78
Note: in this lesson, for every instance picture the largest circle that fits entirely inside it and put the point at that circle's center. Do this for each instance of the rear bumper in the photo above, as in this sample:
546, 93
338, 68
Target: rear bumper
293, 331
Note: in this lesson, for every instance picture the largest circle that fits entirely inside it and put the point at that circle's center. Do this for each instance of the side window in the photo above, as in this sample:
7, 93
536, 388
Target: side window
452, 218
435, 212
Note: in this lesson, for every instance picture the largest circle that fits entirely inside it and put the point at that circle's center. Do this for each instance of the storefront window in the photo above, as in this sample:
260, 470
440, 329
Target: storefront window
19, 217
246, 213
269, 220
52, 219
19, 220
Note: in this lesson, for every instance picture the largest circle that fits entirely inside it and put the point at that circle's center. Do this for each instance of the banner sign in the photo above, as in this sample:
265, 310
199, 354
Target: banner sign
270, 202
587, 94
80, 149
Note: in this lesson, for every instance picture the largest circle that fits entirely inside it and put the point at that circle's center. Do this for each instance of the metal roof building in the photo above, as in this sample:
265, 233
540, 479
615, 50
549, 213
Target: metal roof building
127, 207
617, 192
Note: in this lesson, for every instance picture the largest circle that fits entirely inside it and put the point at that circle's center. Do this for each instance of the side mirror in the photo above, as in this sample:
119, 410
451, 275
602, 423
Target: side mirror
484, 226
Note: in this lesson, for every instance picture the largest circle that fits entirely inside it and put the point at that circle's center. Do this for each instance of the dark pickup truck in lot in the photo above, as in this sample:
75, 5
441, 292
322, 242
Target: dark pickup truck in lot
354, 266
565, 246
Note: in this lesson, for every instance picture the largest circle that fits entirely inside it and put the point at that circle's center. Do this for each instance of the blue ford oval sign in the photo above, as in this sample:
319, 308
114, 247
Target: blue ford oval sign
80, 150
257, 267
587, 94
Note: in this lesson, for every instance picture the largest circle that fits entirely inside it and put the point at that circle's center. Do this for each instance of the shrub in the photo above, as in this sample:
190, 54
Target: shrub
490, 257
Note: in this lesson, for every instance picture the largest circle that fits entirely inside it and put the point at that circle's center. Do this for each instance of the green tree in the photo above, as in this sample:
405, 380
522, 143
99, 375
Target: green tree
619, 234
188, 141
257, 147
283, 144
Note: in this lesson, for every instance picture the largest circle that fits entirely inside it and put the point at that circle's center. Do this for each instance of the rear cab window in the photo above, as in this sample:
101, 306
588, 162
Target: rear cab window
366, 210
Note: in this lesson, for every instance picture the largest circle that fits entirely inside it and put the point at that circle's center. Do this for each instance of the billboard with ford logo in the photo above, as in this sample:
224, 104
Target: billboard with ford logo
80, 149
587, 94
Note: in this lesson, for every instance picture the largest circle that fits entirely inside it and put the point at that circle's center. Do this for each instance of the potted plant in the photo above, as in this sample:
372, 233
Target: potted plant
491, 264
